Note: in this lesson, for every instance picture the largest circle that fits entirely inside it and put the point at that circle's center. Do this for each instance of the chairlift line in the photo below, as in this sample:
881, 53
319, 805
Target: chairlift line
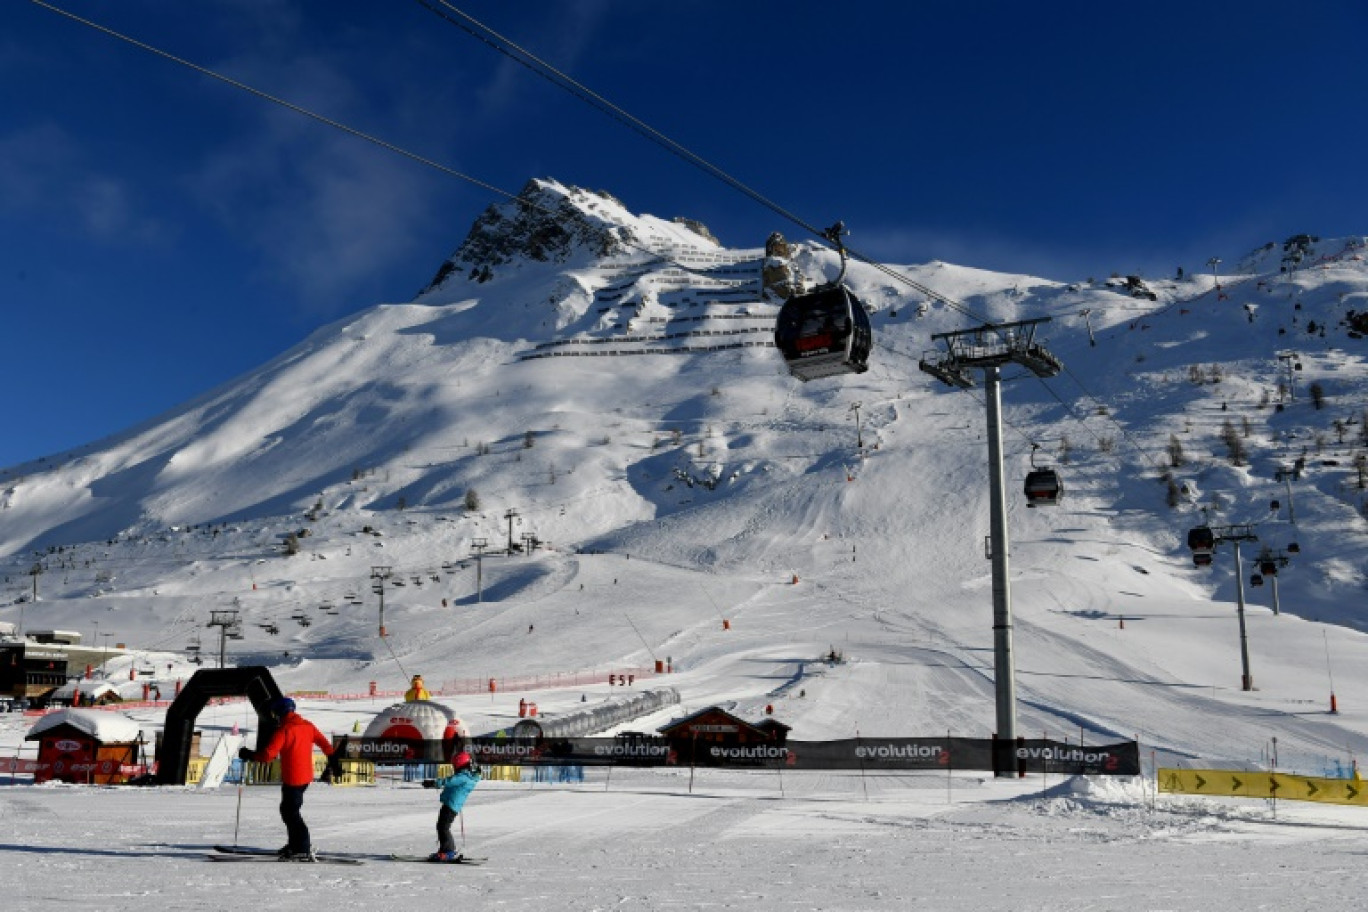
673, 146
530, 61
846, 354
352, 131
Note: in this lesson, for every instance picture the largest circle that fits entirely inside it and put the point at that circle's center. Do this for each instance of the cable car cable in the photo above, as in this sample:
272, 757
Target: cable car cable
488, 36
1083, 423
532, 62
359, 134
580, 91
698, 161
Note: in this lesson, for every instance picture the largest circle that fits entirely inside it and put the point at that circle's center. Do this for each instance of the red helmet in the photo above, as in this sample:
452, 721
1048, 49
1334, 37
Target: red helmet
460, 761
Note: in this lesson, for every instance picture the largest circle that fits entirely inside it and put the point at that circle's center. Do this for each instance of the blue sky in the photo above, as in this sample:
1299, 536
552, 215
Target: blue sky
162, 233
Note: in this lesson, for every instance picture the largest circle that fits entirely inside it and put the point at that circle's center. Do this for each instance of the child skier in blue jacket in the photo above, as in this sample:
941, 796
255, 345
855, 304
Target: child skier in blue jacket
455, 789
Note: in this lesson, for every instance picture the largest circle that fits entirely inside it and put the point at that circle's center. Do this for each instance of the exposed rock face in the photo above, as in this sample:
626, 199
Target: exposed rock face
777, 246
546, 222
697, 228
777, 275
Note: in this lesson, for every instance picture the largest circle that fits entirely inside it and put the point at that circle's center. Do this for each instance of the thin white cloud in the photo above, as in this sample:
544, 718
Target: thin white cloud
561, 41
47, 176
325, 210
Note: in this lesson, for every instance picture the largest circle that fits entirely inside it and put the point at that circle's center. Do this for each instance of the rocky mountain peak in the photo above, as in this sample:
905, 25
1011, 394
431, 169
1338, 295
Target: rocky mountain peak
546, 223
549, 222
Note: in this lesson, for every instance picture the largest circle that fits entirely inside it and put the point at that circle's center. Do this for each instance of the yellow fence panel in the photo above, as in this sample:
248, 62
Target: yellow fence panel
194, 771
1241, 784
488, 773
502, 773
354, 772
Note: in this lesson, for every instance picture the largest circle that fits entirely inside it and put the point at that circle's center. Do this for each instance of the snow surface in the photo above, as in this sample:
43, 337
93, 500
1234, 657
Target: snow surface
704, 511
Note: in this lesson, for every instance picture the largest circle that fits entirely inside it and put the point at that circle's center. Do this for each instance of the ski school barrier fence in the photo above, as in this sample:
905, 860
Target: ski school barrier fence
1256, 784
864, 754
354, 772
417, 772
13, 766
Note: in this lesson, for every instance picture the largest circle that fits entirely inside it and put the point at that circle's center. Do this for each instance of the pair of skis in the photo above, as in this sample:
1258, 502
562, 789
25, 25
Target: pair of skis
246, 853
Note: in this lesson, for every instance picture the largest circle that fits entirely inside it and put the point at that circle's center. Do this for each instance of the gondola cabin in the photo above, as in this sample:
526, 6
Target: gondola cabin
1201, 539
1201, 558
1256, 580
824, 333
1043, 488
1268, 567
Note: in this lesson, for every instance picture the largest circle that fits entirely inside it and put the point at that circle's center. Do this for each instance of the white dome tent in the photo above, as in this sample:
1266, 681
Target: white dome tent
418, 732
420, 720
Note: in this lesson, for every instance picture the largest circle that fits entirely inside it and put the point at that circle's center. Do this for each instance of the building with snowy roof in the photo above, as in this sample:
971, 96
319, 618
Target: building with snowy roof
86, 745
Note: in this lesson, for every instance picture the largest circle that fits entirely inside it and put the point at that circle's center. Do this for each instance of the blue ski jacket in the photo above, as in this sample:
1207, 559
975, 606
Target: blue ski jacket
457, 787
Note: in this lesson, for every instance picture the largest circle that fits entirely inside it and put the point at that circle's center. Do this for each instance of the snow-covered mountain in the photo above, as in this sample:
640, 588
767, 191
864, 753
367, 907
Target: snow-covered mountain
599, 389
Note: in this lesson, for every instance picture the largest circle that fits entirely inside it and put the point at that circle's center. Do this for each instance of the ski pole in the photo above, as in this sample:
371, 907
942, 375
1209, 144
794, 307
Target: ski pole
237, 818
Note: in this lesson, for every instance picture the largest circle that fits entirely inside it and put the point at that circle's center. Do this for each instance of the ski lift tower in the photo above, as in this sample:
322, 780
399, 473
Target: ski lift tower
229, 623
379, 575
989, 348
479, 544
1236, 534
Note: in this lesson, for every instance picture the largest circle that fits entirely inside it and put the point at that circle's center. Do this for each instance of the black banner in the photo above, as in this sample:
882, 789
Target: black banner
865, 754
873, 755
1043, 756
394, 751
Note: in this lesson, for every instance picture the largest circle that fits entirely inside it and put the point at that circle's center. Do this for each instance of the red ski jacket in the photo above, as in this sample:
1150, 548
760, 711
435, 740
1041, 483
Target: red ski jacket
294, 742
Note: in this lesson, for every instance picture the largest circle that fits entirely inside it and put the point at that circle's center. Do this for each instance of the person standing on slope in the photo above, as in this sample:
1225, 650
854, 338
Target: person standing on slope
455, 789
293, 742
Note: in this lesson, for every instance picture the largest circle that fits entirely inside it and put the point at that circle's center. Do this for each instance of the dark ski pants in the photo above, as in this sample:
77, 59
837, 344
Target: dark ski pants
445, 818
291, 802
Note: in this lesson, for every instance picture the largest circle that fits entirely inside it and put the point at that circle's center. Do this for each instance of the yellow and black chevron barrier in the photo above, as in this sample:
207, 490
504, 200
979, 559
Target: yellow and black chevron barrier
1241, 784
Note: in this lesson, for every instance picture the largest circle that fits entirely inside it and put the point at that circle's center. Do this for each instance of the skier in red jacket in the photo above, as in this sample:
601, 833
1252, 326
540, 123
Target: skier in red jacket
293, 742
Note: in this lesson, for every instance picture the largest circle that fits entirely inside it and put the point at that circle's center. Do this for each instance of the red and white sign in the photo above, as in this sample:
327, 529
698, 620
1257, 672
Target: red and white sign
17, 765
